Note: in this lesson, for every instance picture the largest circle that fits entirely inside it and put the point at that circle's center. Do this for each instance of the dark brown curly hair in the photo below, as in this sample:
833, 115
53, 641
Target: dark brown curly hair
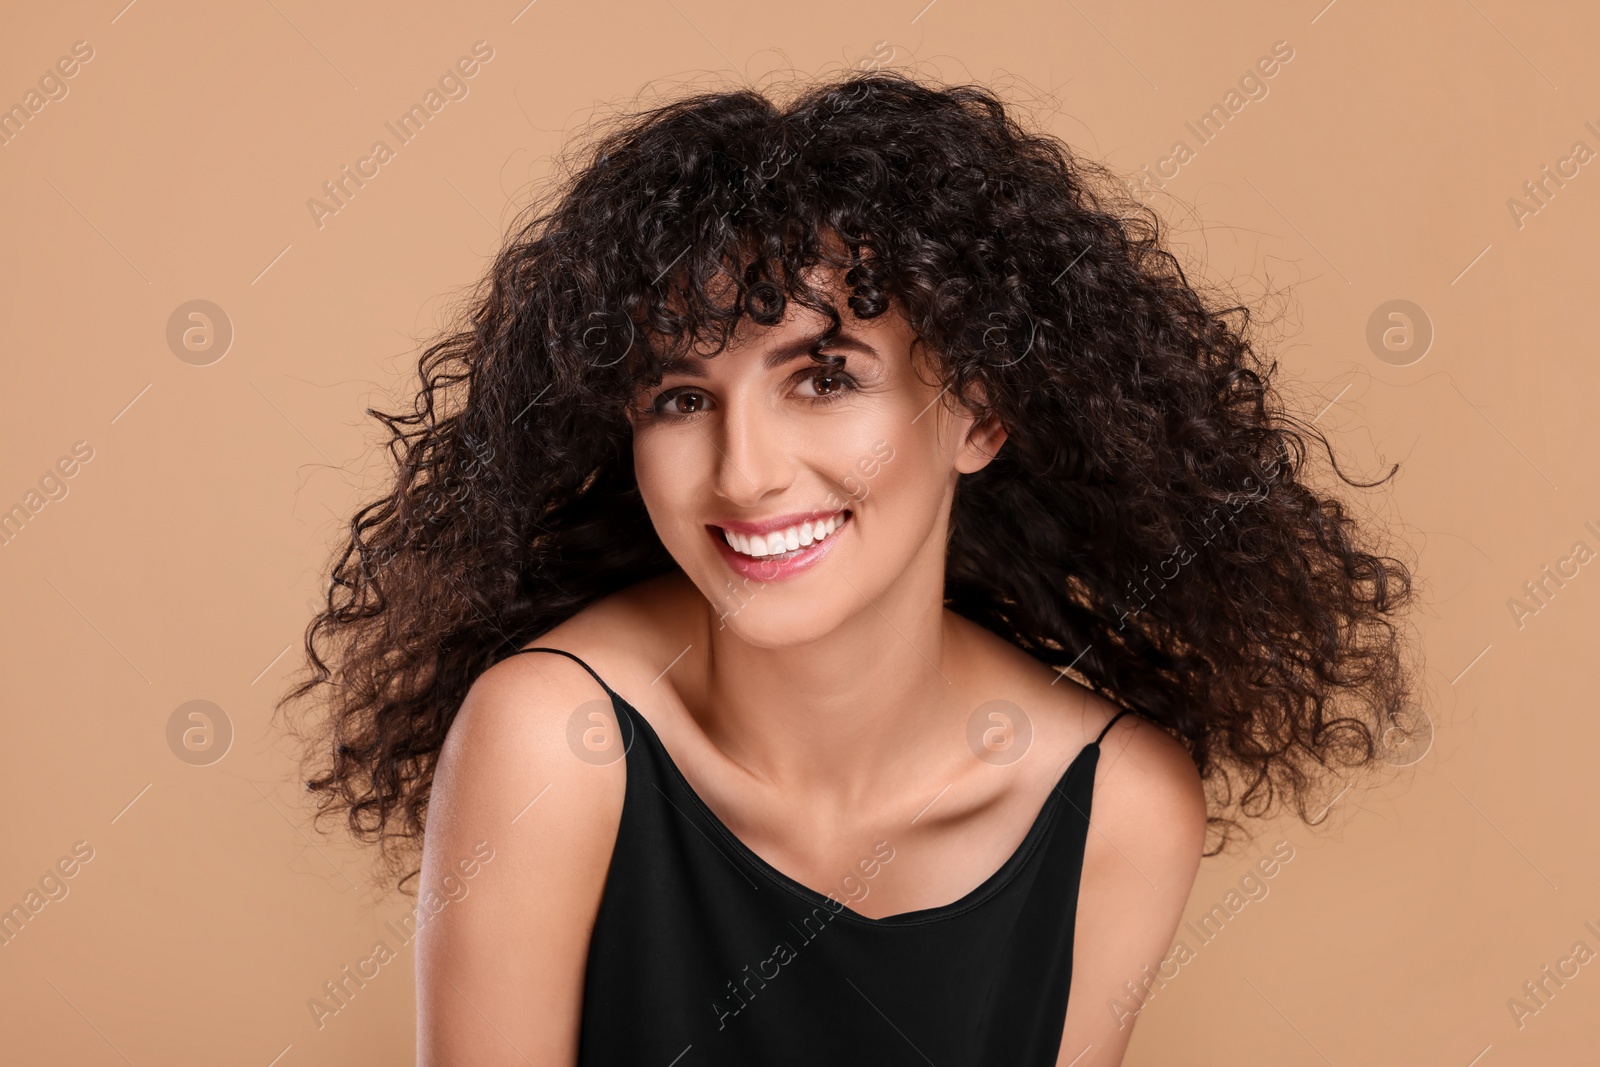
1148, 526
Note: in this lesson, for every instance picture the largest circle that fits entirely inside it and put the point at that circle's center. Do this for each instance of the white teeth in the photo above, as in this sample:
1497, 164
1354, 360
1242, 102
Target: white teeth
782, 541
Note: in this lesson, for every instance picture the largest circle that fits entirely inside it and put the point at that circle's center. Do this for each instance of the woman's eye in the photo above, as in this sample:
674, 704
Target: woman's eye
835, 383
687, 402
838, 384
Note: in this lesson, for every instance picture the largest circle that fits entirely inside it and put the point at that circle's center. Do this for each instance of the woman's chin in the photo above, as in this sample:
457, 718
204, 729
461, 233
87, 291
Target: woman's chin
768, 618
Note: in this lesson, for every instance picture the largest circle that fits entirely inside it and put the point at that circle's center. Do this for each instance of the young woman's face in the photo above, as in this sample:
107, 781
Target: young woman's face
852, 469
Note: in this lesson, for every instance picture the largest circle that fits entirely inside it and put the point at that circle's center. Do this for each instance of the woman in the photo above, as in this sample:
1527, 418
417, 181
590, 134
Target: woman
826, 508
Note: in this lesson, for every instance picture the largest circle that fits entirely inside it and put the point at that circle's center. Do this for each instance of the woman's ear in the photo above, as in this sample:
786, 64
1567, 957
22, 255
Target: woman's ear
984, 438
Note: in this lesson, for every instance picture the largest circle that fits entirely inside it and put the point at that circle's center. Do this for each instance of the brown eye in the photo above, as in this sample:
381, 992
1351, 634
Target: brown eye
671, 403
838, 384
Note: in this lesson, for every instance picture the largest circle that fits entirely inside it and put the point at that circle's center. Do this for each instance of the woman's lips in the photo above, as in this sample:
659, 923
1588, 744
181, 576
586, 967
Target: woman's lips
778, 568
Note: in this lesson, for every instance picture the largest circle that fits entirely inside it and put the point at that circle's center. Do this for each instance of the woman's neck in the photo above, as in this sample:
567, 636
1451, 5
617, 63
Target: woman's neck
849, 715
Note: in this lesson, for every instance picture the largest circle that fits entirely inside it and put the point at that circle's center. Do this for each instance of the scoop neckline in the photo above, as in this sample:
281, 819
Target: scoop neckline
973, 898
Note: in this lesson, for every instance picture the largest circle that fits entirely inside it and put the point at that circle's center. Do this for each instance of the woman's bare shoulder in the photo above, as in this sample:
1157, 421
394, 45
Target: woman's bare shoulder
1144, 774
1147, 822
531, 772
535, 748
520, 737
1145, 780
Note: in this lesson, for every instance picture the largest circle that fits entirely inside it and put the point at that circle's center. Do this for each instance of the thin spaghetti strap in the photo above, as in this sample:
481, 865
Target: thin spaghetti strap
569, 655
1110, 724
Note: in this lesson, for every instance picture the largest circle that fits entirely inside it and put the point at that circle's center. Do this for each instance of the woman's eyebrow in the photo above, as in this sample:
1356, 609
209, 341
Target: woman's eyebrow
784, 353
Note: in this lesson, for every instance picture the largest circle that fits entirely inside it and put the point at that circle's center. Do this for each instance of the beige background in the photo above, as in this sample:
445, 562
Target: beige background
181, 562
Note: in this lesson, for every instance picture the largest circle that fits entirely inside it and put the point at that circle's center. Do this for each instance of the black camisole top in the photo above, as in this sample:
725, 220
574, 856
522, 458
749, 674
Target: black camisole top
704, 954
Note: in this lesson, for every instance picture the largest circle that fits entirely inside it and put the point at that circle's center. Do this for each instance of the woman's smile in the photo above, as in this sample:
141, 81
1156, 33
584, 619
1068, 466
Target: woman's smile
778, 548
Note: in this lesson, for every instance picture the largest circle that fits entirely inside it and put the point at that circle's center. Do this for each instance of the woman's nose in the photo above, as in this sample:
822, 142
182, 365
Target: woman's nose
754, 453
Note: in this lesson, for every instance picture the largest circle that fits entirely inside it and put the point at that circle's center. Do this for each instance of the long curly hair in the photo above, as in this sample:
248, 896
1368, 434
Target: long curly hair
1147, 527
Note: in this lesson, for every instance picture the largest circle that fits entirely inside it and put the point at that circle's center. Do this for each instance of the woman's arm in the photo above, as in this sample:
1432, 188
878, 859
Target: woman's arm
501, 960
1147, 829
